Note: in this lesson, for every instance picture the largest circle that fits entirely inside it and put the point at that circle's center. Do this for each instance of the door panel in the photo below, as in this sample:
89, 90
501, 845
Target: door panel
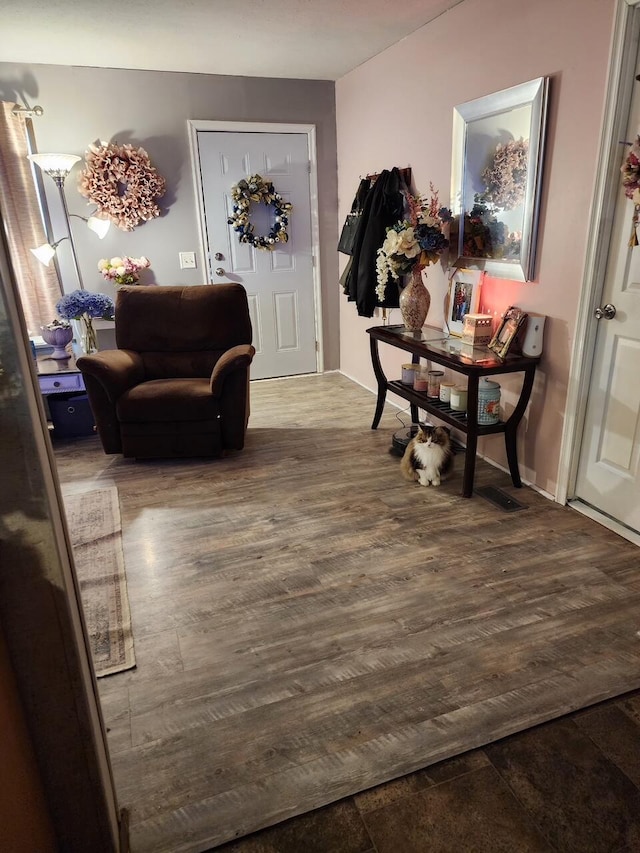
279, 284
620, 421
609, 472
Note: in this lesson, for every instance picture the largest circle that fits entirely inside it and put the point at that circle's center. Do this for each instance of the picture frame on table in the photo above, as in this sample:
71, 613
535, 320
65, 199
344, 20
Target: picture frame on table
464, 298
507, 332
496, 176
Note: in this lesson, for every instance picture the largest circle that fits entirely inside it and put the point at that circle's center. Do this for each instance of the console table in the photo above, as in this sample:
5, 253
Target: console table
472, 362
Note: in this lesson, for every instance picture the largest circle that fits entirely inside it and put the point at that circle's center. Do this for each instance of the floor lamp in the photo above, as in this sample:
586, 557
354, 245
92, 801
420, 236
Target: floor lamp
58, 166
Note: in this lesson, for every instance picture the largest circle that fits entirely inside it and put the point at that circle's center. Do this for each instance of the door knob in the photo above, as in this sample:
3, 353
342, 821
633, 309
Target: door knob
219, 256
608, 311
219, 271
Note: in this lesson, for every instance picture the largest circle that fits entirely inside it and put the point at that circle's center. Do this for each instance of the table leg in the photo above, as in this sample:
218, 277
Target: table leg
512, 456
511, 426
382, 381
415, 359
472, 437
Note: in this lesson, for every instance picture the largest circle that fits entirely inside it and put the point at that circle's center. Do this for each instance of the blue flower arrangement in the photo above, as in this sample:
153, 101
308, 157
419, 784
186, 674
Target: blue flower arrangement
84, 305
80, 303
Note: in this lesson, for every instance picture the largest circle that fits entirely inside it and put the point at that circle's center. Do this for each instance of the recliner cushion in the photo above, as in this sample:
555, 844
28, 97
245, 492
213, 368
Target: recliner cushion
178, 365
168, 400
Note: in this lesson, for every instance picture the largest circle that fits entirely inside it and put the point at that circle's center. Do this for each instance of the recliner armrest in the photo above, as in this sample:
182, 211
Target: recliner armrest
236, 358
117, 370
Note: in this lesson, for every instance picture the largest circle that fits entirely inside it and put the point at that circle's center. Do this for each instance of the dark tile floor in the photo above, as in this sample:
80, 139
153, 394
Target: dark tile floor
572, 785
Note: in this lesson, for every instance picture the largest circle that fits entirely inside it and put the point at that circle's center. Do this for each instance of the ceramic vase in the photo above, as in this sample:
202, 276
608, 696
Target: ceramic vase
58, 338
414, 301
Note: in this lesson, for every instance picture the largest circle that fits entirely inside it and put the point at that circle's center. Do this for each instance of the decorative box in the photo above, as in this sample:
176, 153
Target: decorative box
477, 329
71, 415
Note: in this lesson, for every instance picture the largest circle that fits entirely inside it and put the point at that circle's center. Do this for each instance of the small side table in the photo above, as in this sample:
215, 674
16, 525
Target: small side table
59, 376
62, 386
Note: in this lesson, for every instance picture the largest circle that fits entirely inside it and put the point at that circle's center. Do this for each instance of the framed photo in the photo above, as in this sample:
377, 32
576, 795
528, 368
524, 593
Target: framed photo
496, 170
464, 298
507, 332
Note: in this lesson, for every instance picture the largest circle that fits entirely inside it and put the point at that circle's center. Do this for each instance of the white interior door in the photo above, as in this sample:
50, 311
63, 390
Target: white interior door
609, 468
279, 284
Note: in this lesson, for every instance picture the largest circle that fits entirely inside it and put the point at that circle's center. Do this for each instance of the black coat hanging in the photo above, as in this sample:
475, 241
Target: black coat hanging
383, 207
352, 222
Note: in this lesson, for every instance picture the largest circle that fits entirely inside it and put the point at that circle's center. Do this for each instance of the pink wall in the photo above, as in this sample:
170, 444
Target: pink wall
396, 110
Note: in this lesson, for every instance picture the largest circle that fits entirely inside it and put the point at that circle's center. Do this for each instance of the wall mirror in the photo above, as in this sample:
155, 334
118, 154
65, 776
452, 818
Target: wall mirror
496, 172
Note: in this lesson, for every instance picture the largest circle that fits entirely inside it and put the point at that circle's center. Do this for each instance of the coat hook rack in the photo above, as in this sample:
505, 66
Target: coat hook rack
405, 173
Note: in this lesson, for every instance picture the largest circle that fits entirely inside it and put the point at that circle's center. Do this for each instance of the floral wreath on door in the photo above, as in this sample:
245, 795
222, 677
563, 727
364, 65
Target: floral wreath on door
255, 190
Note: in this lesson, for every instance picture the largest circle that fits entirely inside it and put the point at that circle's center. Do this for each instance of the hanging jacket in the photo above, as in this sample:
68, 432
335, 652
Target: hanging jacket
383, 207
352, 222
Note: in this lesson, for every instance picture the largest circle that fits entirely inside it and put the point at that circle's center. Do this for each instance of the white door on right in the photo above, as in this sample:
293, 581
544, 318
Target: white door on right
609, 467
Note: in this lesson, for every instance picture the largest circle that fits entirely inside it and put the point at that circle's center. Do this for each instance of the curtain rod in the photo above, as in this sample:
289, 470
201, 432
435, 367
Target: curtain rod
28, 112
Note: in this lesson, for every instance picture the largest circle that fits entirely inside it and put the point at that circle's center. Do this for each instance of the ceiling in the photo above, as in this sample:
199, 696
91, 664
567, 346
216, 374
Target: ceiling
306, 39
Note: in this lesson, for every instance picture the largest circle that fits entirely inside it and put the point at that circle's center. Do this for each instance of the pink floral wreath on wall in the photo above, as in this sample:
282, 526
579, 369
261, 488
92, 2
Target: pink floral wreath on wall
121, 181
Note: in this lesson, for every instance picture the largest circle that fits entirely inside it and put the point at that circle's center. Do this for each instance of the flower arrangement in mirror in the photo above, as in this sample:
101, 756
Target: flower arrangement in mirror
121, 181
631, 183
506, 177
255, 189
123, 270
84, 305
486, 236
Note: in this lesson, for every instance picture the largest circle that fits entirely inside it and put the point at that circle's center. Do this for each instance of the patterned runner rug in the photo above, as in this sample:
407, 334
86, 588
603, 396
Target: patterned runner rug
96, 535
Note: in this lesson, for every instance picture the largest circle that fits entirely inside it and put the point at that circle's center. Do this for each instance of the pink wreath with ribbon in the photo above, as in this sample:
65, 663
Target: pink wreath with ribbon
121, 181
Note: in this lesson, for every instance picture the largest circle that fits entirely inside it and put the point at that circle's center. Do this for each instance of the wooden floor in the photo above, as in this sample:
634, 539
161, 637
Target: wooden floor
568, 786
308, 625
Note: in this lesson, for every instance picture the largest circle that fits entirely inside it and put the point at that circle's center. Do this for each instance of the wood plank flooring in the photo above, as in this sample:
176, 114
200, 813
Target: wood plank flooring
308, 625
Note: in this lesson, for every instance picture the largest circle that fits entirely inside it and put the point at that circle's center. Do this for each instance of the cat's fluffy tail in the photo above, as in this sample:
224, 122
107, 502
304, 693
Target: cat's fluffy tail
406, 465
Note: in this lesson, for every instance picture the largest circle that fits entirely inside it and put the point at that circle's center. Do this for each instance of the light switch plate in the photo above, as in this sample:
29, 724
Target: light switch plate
187, 260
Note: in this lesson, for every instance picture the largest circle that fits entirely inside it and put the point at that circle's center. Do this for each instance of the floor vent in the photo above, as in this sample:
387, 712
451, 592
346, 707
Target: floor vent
499, 498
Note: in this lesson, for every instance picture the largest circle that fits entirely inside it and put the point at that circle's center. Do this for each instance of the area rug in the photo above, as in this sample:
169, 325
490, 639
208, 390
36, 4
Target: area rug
96, 535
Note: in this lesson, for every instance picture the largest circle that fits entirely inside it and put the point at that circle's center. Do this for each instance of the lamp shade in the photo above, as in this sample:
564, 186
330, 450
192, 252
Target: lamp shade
55, 165
44, 253
98, 226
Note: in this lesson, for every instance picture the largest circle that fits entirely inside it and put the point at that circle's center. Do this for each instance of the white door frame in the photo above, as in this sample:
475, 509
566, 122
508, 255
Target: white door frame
617, 101
194, 125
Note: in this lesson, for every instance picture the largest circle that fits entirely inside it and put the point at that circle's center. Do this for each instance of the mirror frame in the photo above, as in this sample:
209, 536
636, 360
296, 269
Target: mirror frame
532, 97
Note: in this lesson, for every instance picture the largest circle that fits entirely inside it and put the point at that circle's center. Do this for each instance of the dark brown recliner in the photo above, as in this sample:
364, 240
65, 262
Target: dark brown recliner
178, 384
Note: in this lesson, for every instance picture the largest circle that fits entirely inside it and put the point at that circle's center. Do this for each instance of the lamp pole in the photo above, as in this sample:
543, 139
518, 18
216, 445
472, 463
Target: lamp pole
59, 181
58, 166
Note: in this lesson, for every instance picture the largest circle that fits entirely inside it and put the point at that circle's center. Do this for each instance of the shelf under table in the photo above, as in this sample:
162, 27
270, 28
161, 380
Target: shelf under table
473, 363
